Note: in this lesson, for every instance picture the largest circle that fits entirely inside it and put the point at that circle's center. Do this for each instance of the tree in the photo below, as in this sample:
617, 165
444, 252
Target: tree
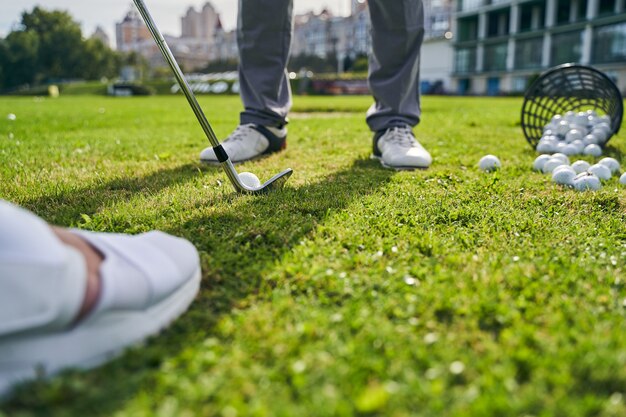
18, 58
49, 46
98, 60
60, 40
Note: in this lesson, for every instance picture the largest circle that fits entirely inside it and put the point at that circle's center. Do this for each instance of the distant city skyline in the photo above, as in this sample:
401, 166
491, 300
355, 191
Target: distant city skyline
167, 13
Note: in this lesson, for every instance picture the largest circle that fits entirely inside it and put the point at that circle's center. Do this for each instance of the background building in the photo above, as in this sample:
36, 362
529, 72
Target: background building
501, 46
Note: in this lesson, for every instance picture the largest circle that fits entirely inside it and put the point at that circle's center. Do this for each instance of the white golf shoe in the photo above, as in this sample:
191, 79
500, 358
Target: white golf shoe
146, 282
397, 148
249, 142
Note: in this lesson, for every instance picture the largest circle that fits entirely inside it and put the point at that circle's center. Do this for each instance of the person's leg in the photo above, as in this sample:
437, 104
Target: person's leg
397, 35
264, 32
71, 298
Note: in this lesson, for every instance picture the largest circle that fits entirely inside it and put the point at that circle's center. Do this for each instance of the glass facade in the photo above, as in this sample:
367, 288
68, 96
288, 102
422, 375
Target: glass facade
567, 47
606, 7
468, 29
465, 60
609, 43
529, 53
532, 16
465, 5
495, 56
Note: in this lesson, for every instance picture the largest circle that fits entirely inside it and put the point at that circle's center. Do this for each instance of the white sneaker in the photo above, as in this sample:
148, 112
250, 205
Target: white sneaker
147, 281
248, 142
397, 148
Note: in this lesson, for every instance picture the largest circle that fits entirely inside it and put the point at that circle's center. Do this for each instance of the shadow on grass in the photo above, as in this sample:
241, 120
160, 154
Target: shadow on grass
68, 205
238, 250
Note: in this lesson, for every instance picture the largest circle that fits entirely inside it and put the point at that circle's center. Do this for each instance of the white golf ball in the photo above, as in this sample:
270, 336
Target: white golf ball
563, 176
570, 149
610, 163
540, 161
560, 147
562, 128
622, 179
600, 171
574, 134
550, 164
581, 118
591, 140
249, 179
562, 157
593, 150
570, 116
546, 146
579, 145
489, 163
581, 166
556, 119
11, 117
587, 181
601, 134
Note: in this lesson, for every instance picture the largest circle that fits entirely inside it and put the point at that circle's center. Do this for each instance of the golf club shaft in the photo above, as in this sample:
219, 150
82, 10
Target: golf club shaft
169, 57
191, 98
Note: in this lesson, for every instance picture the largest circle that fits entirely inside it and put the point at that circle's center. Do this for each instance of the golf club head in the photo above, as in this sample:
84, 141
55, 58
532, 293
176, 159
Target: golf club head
276, 182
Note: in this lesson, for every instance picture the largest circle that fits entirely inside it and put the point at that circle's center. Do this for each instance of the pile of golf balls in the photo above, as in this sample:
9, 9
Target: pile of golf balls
582, 133
581, 175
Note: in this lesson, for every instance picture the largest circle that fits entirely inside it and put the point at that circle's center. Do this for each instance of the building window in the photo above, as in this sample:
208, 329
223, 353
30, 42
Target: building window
563, 11
468, 29
495, 56
609, 43
567, 47
519, 84
581, 10
498, 23
465, 86
532, 16
465, 60
571, 11
529, 53
465, 5
606, 7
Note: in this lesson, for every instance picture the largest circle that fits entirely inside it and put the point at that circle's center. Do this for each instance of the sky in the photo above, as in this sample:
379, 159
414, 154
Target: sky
167, 13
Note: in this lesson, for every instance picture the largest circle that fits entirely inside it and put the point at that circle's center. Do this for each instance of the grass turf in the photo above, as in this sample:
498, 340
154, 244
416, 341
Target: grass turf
355, 290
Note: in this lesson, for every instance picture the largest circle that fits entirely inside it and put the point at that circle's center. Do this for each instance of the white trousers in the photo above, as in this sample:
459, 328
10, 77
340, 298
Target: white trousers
42, 280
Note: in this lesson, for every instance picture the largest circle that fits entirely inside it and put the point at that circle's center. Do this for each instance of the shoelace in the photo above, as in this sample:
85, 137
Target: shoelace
401, 136
240, 133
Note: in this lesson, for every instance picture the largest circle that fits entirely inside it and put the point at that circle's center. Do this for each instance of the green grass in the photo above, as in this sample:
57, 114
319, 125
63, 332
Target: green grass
355, 291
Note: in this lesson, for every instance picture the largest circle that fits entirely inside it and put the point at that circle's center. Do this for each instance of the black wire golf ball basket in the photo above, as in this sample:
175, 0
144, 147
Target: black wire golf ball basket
569, 87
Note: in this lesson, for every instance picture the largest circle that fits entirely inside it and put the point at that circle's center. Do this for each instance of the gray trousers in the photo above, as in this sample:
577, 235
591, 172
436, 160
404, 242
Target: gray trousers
264, 33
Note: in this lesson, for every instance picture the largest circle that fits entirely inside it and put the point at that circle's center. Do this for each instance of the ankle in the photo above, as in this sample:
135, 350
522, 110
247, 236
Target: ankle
93, 260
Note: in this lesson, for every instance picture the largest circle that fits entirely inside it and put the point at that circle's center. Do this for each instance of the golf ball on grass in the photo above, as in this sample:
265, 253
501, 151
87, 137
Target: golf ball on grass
562, 157
489, 163
593, 150
249, 179
600, 171
540, 162
587, 182
11, 117
610, 163
551, 164
622, 179
564, 175
581, 166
